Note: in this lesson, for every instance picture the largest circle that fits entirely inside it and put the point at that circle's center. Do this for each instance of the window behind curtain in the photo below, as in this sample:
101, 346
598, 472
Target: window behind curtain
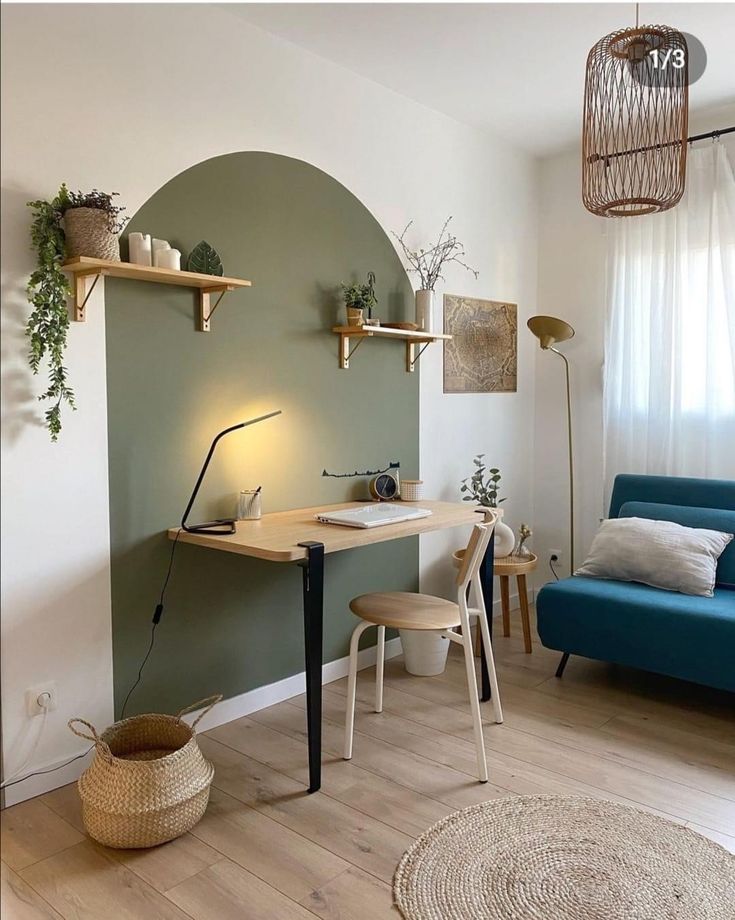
669, 395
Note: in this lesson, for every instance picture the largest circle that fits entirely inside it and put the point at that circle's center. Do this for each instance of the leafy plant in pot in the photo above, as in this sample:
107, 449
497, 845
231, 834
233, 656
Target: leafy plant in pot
482, 488
360, 299
428, 265
92, 223
48, 288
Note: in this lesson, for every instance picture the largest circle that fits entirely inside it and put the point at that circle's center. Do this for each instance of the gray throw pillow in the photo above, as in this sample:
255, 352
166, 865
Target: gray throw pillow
657, 553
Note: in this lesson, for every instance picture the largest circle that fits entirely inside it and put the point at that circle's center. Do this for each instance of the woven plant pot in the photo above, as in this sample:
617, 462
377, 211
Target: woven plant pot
148, 781
88, 233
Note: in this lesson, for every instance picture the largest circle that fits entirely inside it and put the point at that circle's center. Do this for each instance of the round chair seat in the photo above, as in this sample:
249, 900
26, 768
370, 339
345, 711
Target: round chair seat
403, 610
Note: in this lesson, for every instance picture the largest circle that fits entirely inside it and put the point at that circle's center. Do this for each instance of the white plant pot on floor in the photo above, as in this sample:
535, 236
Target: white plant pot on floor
424, 651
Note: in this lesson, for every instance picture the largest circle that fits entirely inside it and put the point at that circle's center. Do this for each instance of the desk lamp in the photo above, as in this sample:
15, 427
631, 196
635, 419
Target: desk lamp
549, 330
221, 525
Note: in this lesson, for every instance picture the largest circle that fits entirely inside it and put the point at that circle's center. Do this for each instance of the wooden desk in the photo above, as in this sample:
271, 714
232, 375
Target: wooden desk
295, 536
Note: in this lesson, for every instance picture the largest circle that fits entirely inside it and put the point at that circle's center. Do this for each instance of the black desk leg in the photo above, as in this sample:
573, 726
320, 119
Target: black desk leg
486, 580
313, 571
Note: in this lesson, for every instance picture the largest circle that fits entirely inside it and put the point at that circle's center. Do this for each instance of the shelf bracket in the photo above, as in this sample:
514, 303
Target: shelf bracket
345, 352
206, 311
412, 355
81, 295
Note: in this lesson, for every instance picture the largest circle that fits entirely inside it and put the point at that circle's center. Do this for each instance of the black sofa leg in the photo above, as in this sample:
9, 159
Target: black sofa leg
562, 664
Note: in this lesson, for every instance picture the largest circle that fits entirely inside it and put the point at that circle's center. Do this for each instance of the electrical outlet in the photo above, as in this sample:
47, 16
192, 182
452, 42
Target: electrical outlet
42, 698
555, 553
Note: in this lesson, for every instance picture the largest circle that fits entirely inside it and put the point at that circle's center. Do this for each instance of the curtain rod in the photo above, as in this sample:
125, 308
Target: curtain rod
715, 135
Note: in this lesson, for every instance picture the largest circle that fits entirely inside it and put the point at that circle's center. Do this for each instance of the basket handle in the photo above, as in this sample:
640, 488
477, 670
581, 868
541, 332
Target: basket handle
100, 745
208, 703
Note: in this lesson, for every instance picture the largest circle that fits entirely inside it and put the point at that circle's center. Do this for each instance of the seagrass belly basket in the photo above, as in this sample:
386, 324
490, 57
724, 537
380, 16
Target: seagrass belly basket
148, 782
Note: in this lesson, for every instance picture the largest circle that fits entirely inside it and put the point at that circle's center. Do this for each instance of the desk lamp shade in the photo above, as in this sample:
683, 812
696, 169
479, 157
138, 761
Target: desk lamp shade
634, 127
221, 525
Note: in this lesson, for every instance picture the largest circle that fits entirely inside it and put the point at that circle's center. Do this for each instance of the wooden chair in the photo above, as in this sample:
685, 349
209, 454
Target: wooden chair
403, 610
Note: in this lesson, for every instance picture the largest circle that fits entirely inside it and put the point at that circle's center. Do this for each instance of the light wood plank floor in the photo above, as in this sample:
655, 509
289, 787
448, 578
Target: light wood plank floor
267, 851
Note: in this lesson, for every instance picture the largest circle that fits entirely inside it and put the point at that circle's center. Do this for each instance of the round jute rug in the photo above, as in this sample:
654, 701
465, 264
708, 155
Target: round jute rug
557, 857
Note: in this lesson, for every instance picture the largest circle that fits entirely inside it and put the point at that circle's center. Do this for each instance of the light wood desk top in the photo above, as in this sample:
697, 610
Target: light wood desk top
276, 536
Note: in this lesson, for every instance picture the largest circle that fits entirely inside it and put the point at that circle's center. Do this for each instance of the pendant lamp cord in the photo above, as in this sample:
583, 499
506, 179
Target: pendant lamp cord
637, 8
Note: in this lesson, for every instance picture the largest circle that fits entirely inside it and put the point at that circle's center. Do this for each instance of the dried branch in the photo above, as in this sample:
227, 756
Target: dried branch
428, 263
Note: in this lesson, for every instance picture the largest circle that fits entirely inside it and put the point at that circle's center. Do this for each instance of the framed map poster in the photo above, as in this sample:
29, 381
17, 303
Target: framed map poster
482, 356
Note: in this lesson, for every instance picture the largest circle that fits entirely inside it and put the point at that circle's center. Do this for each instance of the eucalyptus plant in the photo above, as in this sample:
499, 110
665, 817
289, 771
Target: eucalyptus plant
482, 485
48, 288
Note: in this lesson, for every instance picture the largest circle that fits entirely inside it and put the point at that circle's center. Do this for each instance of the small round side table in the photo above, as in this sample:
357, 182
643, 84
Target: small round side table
504, 567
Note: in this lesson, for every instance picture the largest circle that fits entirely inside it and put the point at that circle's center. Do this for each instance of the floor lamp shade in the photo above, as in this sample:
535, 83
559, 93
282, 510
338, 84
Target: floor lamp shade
549, 330
634, 127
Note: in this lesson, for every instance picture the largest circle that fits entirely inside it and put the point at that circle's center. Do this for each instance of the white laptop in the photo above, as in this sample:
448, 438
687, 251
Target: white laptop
372, 515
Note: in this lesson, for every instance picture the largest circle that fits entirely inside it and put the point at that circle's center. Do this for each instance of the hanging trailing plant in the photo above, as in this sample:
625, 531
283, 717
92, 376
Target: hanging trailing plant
48, 288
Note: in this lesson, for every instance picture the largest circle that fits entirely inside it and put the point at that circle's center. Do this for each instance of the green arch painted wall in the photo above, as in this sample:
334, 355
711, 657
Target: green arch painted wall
232, 624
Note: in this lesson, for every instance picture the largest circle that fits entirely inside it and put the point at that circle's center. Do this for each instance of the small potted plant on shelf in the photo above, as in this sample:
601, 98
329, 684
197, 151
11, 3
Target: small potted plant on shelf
92, 222
482, 488
360, 300
428, 265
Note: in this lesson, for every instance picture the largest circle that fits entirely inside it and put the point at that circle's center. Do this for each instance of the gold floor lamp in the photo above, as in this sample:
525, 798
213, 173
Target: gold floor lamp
549, 330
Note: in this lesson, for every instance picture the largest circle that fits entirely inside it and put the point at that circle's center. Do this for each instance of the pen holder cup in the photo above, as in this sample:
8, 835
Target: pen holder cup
412, 490
250, 506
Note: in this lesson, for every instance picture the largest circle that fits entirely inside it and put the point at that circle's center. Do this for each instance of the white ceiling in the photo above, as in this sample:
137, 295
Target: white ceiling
516, 69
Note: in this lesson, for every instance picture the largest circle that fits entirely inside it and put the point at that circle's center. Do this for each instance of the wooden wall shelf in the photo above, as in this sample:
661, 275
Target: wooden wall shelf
412, 338
84, 267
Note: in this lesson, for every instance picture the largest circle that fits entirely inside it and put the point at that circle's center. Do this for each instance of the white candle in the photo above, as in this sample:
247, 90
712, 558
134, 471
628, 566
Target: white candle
168, 258
157, 246
140, 248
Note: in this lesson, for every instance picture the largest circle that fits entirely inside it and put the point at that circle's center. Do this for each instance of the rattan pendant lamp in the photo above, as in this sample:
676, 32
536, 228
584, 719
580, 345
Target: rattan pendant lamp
634, 131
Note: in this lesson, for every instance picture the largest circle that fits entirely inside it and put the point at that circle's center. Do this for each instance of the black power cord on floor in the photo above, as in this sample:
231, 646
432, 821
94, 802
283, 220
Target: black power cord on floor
156, 620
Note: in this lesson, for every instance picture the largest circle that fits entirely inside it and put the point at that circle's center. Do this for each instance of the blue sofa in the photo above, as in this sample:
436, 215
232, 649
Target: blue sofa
628, 623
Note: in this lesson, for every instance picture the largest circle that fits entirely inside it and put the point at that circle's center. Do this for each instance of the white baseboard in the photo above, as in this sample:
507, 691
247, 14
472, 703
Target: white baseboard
515, 604
227, 711
37, 785
286, 689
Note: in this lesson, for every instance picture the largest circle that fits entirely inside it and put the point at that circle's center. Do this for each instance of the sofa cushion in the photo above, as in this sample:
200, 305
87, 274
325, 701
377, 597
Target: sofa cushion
633, 624
658, 553
707, 518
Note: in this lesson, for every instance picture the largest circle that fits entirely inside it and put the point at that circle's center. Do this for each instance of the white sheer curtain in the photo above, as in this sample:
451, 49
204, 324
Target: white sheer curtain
669, 393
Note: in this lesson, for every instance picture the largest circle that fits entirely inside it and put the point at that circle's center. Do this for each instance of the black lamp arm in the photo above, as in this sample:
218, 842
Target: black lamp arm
201, 478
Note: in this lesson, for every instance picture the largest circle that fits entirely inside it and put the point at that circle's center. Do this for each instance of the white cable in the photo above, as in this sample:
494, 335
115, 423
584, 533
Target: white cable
31, 752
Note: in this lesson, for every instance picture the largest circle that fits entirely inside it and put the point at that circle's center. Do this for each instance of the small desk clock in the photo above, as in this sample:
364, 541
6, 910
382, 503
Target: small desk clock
384, 487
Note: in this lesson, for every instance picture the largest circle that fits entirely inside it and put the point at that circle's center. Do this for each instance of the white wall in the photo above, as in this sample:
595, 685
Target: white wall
571, 285
124, 98
456, 427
